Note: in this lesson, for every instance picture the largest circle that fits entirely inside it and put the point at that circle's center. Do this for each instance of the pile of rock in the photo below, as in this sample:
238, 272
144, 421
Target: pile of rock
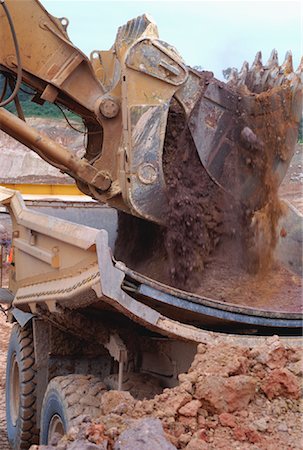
231, 398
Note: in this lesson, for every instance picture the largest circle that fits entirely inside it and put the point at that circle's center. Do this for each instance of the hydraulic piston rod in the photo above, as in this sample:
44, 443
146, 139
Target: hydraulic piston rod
52, 152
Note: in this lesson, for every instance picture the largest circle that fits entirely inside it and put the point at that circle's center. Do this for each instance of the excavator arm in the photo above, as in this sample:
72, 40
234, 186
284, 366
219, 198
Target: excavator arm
124, 97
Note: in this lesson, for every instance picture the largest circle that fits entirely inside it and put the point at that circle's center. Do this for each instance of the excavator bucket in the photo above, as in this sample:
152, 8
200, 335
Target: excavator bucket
245, 130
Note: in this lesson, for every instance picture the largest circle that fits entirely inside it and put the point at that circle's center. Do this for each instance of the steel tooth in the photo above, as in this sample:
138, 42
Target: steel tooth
257, 64
245, 67
243, 73
299, 70
257, 81
296, 79
295, 82
287, 66
273, 59
233, 77
273, 77
282, 77
280, 80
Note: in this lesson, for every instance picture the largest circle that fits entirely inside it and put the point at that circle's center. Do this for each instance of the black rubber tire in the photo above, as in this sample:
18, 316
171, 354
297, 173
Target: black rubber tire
20, 369
140, 385
69, 397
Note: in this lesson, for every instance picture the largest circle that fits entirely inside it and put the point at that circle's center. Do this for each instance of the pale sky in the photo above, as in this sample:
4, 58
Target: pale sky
212, 34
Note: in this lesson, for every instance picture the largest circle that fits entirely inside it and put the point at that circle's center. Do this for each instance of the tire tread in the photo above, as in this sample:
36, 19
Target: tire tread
27, 433
80, 395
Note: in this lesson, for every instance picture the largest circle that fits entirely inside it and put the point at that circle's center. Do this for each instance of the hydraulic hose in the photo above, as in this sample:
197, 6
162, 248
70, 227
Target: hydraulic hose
18, 57
4, 89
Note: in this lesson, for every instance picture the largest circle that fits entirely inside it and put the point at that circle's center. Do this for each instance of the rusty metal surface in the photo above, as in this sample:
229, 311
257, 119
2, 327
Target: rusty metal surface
157, 60
249, 126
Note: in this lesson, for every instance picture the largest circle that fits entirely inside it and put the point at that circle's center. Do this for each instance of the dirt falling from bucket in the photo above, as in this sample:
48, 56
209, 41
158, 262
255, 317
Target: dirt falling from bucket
198, 213
201, 216
262, 233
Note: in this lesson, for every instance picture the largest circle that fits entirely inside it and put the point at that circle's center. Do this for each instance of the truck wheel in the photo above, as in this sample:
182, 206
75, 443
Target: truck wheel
66, 398
139, 385
21, 389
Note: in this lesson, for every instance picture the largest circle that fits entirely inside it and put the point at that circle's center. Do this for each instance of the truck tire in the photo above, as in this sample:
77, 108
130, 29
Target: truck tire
21, 389
139, 385
66, 398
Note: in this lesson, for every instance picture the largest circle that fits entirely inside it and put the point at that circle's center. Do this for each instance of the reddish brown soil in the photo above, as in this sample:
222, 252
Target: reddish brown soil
277, 288
231, 398
139, 245
225, 280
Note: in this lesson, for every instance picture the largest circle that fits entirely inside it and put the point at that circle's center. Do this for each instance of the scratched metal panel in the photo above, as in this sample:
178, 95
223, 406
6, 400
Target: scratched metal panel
147, 185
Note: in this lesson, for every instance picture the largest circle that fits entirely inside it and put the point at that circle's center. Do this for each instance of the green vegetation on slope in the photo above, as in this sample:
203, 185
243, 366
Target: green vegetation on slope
32, 109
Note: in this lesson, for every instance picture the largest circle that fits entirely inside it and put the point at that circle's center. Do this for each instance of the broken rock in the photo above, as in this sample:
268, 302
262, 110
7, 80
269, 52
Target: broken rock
145, 434
281, 382
226, 394
190, 409
116, 402
227, 420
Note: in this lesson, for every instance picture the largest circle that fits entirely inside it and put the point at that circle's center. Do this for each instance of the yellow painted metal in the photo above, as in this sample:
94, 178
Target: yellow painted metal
122, 94
44, 189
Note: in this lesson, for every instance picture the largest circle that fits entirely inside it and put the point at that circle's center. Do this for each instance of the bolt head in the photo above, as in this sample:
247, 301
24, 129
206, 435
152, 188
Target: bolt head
109, 108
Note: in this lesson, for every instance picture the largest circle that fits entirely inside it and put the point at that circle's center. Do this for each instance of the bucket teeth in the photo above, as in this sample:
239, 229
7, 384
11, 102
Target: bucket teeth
287, 66
257, 64
296, 78
299, 70
243, 73
259, 78
233, 77
273, 60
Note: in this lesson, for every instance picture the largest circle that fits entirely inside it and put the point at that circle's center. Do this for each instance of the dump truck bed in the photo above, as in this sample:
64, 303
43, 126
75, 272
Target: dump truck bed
63, 264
